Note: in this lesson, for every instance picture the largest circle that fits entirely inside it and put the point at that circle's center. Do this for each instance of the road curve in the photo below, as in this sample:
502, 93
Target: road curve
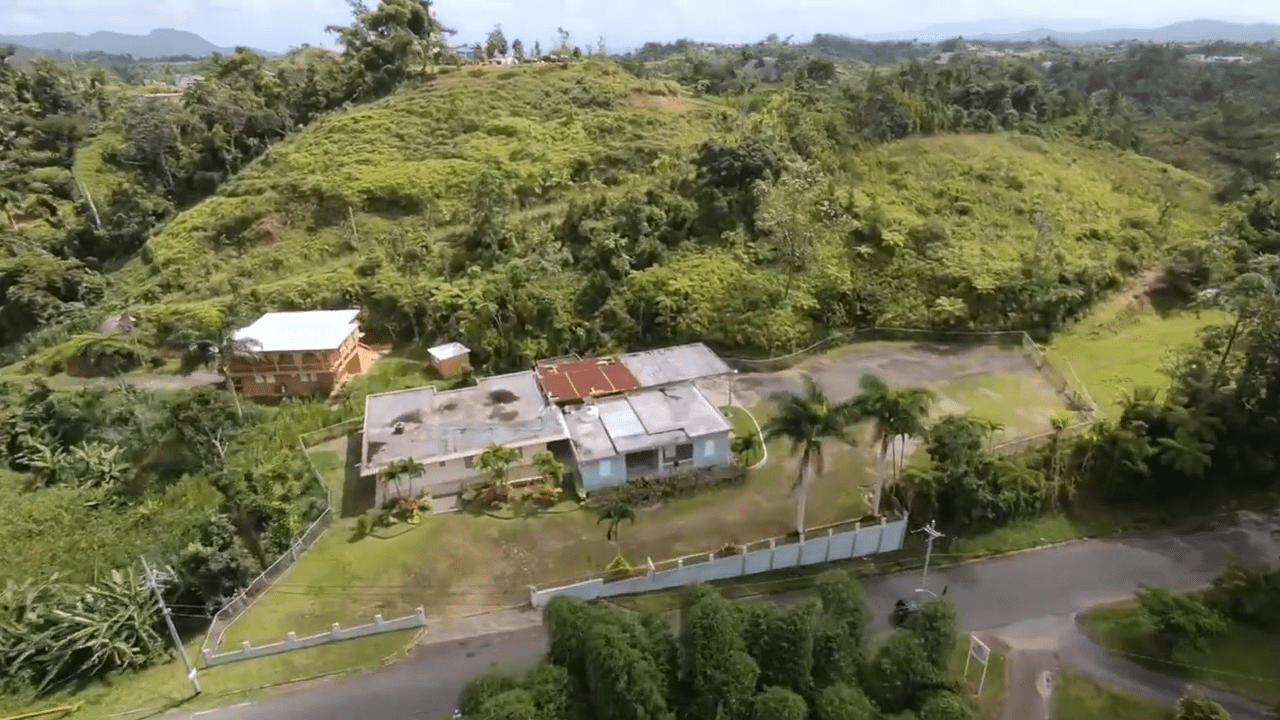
1059, 581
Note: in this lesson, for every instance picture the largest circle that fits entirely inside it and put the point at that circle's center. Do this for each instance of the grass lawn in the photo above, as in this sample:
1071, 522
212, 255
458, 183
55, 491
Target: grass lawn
165, 686
1123, 343
991, 702
1245, 660
1076, 697
1023, 403
461, 564
743, 426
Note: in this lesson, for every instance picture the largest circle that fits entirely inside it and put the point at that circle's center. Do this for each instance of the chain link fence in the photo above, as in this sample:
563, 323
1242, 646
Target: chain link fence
243, 600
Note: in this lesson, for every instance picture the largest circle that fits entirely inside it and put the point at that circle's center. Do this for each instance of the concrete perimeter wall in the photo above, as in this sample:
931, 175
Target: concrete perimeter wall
842, 543
335, 634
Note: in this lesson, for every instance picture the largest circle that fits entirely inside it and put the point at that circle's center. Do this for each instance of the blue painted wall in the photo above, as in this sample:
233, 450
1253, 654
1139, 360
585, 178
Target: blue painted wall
708, 451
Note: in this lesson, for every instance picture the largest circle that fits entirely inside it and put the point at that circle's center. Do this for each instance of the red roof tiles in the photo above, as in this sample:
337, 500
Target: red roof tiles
579, 379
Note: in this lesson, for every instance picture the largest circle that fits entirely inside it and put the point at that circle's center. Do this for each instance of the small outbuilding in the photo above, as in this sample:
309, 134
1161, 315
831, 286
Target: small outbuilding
450, 359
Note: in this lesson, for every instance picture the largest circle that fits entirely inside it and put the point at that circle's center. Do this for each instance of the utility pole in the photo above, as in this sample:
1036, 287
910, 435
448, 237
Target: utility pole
173, 632
933, 535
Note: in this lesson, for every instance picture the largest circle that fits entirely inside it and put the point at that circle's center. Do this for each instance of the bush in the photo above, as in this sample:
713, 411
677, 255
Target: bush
1248, 595
1179, 621
619, 567
1197, 707
650, 491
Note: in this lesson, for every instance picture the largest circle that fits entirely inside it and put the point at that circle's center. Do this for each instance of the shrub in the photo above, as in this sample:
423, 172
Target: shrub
619, 567
1197, 707
650, 491
1179, 621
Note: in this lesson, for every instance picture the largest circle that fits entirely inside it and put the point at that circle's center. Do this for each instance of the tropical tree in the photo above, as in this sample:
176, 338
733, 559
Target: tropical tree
218, 353
398, 470
897, 415
807, 421
552, 470
745, 446
496, 460
1246, 297
615, 513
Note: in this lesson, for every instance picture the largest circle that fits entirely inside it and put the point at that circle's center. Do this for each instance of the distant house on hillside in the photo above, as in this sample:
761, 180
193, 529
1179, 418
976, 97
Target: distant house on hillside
186, 81
300, 353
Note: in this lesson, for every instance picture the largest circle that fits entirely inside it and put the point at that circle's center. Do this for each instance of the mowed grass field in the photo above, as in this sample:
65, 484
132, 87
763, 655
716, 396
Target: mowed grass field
1127, 342
1076, 697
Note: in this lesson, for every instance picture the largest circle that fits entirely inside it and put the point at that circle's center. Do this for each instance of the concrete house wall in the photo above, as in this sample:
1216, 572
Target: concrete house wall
708, 451
441, 478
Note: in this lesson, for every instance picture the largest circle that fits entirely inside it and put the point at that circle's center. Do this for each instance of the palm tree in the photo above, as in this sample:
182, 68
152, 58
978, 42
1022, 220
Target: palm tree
400, 469
552, 470
806, 421
615, 513
495, 460
743, 446
218, 354
895, 414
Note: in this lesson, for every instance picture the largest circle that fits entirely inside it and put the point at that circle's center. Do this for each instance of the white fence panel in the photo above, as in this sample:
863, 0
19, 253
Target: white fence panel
814, 550
841, 546
867, 541
882, 537
336, 633
758, 561
785, 556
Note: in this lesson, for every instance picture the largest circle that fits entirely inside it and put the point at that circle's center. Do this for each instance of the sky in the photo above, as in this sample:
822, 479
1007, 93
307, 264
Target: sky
277, 25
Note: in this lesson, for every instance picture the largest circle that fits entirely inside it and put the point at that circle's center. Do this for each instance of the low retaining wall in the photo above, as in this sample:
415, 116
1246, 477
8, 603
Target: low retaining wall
814, 547
335, 634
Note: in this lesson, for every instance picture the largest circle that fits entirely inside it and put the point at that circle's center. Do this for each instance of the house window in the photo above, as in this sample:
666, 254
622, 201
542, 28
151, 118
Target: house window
708, 448
443, 463
469, 463
284, 359
606, 468
684, 452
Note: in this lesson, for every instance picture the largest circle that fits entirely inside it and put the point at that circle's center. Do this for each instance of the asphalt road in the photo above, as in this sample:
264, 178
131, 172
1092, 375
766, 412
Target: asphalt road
1052, 582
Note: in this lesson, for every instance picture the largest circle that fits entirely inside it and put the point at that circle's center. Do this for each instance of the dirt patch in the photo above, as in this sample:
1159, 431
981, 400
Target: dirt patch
659, 102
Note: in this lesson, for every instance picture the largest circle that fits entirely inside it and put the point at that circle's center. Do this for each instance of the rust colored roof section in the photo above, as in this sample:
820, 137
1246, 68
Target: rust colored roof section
579, 379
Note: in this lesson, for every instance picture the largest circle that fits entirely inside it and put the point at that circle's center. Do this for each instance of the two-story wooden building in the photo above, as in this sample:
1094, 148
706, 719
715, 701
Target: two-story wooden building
299, 353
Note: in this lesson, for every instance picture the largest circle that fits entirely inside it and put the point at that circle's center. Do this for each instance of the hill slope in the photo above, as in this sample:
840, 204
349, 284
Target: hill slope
162, 42
384, 206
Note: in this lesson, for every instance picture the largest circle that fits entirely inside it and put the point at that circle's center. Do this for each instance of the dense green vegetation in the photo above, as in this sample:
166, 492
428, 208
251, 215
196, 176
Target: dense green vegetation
757, 661
681, 193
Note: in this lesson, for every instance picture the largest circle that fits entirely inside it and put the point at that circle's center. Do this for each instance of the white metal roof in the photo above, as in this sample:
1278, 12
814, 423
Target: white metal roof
296, 331
448, 350
619, 419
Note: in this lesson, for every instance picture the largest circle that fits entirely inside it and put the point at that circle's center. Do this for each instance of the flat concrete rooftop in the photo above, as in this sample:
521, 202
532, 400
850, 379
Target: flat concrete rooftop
505, 409
642, 420
667, 366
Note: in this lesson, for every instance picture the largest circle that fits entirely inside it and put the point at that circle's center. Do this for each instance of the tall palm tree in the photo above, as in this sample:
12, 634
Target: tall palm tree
615, 513
895, 414
400, 469
807, 421
496, 461
218, 354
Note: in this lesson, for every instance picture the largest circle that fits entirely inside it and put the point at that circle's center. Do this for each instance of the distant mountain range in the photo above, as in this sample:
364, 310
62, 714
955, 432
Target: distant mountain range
158, 43
1080, 32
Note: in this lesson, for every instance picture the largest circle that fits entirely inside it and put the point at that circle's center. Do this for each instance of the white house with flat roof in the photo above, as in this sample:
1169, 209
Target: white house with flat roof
612, 419
647, 433
447, 430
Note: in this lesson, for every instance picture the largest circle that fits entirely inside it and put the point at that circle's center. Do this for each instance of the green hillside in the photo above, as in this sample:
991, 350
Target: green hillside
384, 206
